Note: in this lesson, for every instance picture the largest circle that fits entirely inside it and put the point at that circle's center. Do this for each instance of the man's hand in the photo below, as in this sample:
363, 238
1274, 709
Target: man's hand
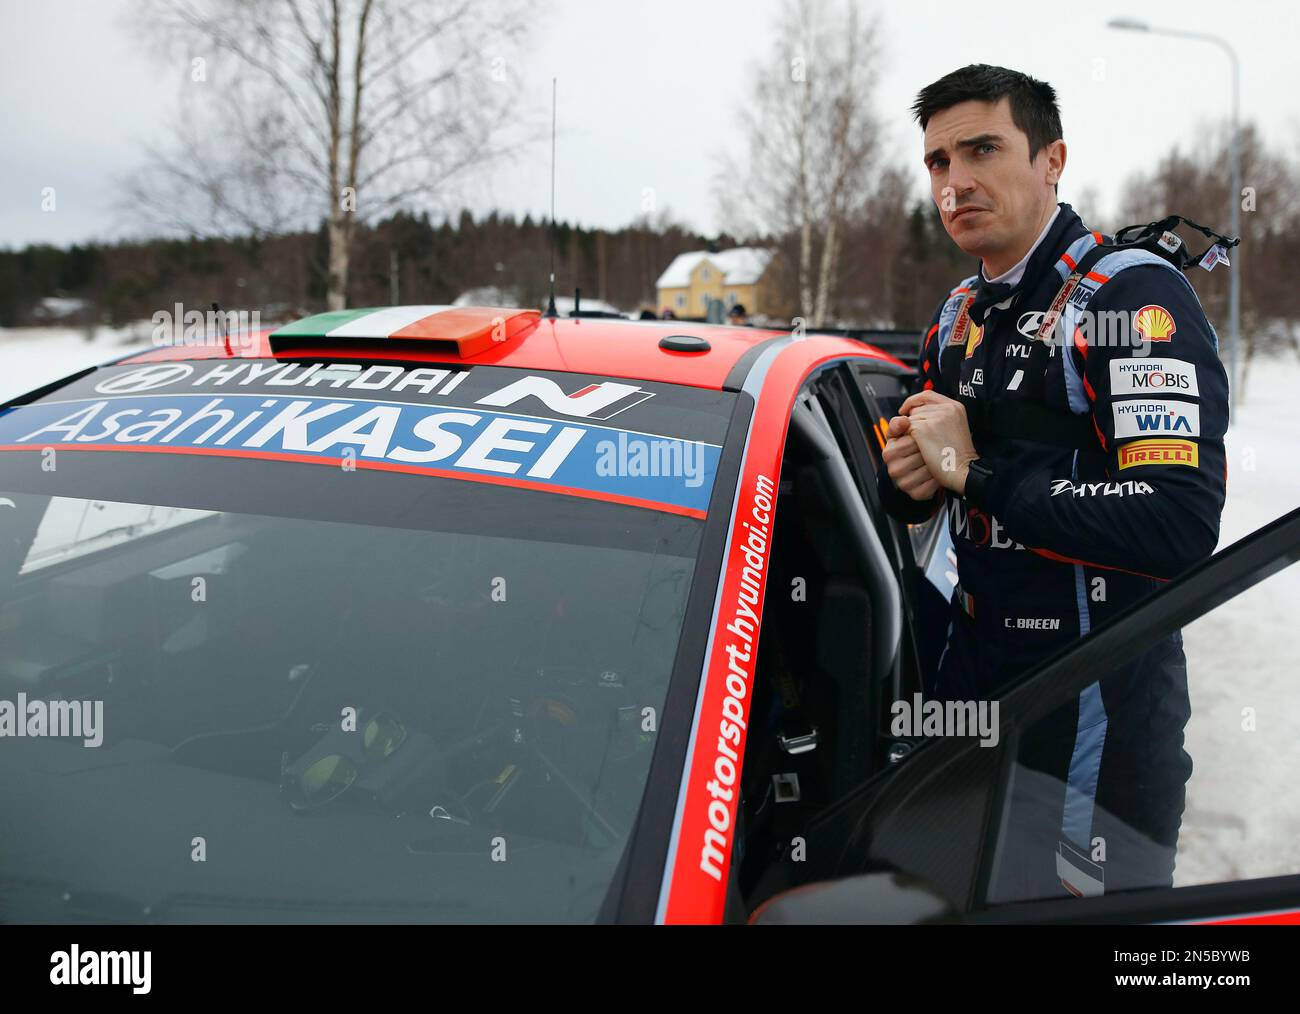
942, 437
903, 461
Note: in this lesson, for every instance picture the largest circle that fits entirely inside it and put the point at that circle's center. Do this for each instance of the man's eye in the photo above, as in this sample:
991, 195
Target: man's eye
938, 163
989, 145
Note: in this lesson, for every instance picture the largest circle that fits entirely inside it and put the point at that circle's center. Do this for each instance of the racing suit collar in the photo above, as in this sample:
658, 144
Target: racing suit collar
1013, 275
1061, 232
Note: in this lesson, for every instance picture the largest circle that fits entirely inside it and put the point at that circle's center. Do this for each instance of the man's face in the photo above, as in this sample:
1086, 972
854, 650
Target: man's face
992, 199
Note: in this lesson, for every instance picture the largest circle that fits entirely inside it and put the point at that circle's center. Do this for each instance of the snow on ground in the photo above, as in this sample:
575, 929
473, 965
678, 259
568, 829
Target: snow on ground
1242, 818
33, 356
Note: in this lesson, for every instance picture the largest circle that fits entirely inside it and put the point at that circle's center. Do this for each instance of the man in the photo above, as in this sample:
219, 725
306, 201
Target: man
1081, 466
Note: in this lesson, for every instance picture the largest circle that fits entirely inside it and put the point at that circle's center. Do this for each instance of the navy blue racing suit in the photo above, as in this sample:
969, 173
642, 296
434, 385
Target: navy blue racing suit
1064, 538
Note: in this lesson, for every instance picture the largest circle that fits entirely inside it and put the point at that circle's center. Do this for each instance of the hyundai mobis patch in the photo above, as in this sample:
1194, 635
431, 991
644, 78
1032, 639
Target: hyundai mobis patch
638, 443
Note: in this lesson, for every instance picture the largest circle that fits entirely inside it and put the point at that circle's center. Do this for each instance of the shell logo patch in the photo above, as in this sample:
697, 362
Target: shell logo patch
976, 336
1154, 323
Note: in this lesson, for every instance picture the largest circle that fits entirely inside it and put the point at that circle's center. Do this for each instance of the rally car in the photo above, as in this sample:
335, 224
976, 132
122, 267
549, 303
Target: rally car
473, 615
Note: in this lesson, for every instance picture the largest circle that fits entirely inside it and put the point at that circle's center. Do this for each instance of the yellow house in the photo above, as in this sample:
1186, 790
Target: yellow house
732, 276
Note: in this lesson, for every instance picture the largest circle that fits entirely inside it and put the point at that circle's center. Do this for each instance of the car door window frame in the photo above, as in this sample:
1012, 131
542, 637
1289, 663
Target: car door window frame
853, 411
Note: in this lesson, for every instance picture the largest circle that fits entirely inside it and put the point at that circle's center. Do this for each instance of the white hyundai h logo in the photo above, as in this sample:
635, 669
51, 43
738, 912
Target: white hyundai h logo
1030, 322
145, 379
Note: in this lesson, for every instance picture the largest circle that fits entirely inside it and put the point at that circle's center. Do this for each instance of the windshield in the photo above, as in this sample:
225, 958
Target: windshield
275, 691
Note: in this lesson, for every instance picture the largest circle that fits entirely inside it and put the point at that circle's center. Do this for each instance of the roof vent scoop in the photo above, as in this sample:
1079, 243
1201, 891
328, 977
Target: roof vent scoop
463, 331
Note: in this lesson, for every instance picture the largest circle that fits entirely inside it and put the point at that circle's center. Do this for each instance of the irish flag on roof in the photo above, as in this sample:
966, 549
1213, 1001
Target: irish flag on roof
472, 328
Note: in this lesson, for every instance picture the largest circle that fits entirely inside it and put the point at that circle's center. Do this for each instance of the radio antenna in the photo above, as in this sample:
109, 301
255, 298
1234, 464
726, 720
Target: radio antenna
550, 306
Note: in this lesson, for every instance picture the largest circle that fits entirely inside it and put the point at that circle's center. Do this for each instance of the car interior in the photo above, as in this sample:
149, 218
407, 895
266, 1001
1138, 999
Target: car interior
821, 697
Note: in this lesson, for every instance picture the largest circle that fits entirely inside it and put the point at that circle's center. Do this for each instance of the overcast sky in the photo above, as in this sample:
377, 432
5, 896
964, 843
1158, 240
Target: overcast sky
648, 95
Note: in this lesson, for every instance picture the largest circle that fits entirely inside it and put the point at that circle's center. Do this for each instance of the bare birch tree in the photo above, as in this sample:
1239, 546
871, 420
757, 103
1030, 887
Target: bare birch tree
811, 140
341, 110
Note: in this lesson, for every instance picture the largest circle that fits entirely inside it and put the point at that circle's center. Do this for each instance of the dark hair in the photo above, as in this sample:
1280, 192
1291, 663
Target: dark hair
1033, 102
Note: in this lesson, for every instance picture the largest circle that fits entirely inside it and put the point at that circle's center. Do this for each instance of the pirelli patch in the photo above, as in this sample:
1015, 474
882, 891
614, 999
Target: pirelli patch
1158, 452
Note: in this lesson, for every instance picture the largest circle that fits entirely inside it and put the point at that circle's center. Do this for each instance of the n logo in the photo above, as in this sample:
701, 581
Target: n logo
595, 401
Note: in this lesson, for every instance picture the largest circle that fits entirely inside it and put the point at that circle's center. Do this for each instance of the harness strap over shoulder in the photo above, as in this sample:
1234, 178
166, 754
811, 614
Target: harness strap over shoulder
1081, 274
1085, 266
1013, 419
1088, 263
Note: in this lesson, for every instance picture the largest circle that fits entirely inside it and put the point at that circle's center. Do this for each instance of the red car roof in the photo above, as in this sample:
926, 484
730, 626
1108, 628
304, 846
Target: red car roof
491, 336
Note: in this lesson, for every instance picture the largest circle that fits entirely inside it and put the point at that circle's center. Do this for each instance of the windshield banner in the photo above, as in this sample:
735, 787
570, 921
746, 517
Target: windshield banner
568, 456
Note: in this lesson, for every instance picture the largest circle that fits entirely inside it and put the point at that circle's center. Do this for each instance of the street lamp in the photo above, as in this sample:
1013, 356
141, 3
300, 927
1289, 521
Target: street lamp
1234, 198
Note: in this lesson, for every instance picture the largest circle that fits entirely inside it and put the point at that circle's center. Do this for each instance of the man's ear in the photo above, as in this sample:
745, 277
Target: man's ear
1054, 161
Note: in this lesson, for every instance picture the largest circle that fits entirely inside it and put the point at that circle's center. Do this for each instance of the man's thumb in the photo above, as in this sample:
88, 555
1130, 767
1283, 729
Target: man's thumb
899, 425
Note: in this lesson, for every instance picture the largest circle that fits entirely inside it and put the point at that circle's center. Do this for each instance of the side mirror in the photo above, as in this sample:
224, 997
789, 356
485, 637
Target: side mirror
882, 898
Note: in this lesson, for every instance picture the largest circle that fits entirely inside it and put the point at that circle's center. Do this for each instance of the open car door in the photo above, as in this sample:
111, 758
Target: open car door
928, 838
